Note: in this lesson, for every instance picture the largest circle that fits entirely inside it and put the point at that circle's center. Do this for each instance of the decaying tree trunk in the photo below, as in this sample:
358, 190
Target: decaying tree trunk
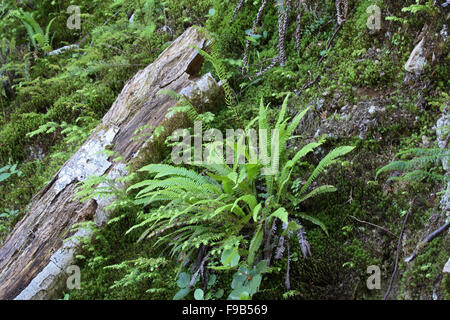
34, 258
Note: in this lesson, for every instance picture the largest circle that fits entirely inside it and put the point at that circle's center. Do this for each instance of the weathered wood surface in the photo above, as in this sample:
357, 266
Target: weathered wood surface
34, 259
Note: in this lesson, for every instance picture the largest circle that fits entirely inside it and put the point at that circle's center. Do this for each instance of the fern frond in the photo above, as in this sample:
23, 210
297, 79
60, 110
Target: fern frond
318, 191
325, 162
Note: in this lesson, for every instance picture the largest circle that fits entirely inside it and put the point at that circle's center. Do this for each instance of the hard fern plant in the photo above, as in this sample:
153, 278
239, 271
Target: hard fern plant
38, 38
219, 216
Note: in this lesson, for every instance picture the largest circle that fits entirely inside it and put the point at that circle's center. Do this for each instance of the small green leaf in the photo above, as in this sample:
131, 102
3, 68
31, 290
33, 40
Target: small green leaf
256, 211
230, 257
219, 294
245, 296
198, 294
281, 214
181, 294
255, 283
212, 280
212, 12
184, 280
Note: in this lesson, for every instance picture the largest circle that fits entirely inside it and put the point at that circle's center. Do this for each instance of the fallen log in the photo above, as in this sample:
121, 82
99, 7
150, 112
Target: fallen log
34, 258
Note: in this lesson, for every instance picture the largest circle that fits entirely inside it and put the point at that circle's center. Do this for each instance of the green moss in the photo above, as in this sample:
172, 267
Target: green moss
109, 247
420, 279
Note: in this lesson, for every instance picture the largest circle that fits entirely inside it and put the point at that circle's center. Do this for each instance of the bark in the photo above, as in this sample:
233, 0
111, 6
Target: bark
34, 258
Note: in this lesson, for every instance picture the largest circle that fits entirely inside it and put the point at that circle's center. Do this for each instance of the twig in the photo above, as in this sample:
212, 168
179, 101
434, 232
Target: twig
255, 25
287, 283
236, 10
373, 225
200, 269
309, 84
398, 249
330, 42
350, 197
428, 239
334, 36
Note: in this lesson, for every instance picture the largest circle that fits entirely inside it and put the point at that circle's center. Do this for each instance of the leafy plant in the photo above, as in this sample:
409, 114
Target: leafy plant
216, 60
9, 170
186, 283
200, 216
185, 106
138, 271
35, 33
74, 134
428, 8
417, 164
246, 282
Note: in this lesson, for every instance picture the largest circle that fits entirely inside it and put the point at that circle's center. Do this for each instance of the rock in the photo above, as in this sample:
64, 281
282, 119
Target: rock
34, 258
444, 33
320, 104
372, 110
447, 267
425, 141
443, 137
417, 60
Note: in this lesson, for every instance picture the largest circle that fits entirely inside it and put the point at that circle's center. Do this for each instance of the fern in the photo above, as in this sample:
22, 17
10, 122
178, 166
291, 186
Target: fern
209, 206
187, 209
216, 60
34, 30
417, 167
325, 162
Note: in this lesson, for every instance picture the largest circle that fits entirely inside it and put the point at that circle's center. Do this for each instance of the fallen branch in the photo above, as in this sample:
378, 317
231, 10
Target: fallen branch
428, 239
62, 50
373, 225
69, 47
399, 245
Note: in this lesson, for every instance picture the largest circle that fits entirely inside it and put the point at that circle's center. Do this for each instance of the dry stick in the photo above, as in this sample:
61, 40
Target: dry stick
398, 249
341, 18
309, 84
283, 24
334, 35
428, 239
236, 10
298, 27
287, 283
270, 66
373, 225
330, 42
202, 263
255, 25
